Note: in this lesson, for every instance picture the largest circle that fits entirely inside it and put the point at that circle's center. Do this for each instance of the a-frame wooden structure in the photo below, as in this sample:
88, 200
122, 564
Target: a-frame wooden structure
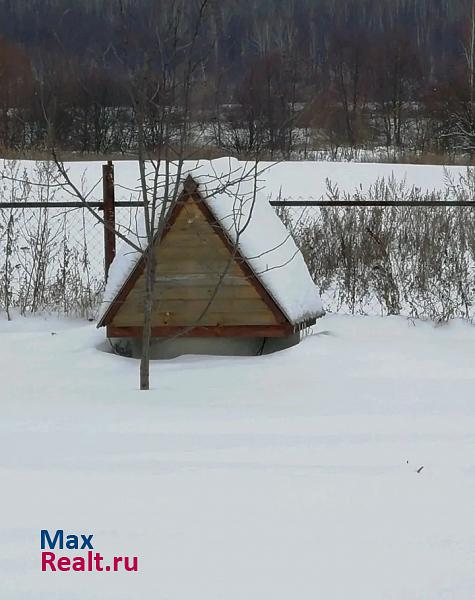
204, 286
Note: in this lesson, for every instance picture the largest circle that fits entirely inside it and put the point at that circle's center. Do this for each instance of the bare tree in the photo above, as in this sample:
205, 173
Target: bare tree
395, 83
458, 96
349, 65
161, 95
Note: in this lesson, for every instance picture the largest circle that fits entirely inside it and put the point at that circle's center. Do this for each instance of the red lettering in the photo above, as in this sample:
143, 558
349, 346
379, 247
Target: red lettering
79, 564
64, 564
98, 558
47, 559
135, 564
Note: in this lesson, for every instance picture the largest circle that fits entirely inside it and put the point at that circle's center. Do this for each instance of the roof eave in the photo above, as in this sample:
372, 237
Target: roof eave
309, 321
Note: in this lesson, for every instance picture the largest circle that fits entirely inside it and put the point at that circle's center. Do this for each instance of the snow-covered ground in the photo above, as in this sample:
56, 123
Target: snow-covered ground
291, 476
288, 180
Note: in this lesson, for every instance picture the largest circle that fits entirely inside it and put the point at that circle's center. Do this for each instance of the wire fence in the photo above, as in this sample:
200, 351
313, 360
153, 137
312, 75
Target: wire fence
386, 251
413, 261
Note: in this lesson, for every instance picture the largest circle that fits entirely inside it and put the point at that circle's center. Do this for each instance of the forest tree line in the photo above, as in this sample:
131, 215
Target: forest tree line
270, 77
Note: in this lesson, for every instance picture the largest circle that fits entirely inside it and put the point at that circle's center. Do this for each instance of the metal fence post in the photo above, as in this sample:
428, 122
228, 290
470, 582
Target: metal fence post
109, 215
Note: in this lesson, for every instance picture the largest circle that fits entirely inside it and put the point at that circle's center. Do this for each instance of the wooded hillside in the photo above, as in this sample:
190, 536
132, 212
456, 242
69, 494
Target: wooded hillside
354, 73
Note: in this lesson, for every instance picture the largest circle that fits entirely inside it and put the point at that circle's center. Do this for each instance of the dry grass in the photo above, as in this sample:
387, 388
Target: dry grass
389, 260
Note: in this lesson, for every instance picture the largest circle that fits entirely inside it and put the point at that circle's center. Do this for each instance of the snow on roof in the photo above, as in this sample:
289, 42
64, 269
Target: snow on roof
232, 193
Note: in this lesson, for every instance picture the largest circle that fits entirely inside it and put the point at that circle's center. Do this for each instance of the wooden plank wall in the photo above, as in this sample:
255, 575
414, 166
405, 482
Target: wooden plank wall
192, 260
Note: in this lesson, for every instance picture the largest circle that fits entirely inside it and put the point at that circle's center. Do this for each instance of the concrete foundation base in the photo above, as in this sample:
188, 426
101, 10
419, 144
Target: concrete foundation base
164, 348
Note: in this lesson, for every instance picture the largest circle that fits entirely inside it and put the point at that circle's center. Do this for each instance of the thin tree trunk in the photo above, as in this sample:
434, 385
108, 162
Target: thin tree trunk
147, 324
472, 67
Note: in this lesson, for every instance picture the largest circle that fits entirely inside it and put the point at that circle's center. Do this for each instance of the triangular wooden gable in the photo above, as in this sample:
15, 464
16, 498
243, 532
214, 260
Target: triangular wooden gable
192, 255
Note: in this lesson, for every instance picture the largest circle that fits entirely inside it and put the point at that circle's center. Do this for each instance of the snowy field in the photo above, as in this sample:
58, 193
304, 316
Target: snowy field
288, 180
292, 476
